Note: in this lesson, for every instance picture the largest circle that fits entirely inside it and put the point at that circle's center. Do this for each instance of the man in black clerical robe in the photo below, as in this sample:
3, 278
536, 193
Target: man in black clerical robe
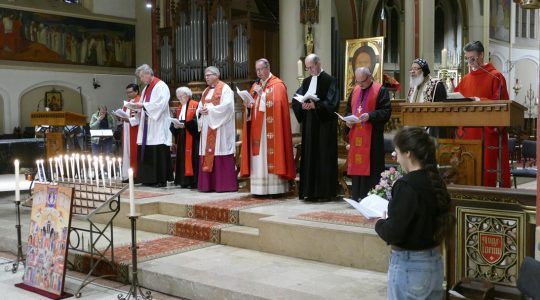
318, 163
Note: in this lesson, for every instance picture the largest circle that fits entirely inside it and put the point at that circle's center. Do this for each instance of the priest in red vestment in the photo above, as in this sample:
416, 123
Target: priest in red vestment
486, 83
267, 151
370, 103
129, 133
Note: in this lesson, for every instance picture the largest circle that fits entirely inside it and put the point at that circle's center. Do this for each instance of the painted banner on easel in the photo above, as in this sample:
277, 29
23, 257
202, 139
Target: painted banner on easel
46, 254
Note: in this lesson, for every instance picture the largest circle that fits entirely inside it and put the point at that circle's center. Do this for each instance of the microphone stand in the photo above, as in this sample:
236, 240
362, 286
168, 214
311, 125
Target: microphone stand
499, 132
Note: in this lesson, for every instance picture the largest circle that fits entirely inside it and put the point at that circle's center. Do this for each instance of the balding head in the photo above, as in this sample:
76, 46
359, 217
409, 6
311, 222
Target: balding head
363, 77
313, 64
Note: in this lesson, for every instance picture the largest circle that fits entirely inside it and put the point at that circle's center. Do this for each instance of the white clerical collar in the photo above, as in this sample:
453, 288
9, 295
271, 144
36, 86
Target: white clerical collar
263, 82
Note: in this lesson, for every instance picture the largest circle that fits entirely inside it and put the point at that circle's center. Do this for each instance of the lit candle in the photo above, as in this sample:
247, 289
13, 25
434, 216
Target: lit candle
120, 167
131, 193
56, 167
101, 169
17, 183
66, 158
43, 170
114, 167
109, 169
38, 171
61, 167
83, 162
72, 160
300, 68
77, 156
96, 171
51, 168
89, 157
444, 57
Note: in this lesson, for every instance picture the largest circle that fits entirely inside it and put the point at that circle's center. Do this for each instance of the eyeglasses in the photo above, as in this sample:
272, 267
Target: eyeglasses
362, 81
309, 68
209, 74
415, 69
260, 69
470, 58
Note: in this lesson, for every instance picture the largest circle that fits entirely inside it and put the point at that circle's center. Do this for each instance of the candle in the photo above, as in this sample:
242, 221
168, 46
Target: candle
61, 167
101, 169
114, 167
17, 183
89, 157
56, 167
43, 170
72, 161
38, 171
300, 68
51, 168
120, 167
78, 167
109, 169
83, 158
66, 158
444, 57
131, 193
96, 171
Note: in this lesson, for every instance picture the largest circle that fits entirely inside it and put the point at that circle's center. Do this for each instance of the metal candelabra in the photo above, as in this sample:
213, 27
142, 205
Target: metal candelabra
530, 100
135, 289
20, 256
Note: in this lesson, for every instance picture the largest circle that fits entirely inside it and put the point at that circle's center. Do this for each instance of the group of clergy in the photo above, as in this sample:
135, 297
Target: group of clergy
205, 132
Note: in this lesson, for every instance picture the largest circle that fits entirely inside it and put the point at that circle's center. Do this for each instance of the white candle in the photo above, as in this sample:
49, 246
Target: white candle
109, 170
83, 162
300, 68
51, 169
61, 167
444, 57
114, 167
131, 193
17, 183
66, 158
38, 171
96, 171
120, 167
56, 167
72, 160
77, 156
101, 169
43, 170
89, 157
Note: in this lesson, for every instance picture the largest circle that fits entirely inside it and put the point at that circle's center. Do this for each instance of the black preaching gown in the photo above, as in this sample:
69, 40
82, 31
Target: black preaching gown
180, 134
318, 163
362, 184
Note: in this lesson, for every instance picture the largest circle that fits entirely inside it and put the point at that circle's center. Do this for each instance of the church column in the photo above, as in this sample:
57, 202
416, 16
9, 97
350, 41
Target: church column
323, 35
427, 30
407, 46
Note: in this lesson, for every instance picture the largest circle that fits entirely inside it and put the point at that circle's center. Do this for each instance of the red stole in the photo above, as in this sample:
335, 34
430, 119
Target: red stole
279, 154
209, 152
133, 131
188, 151
360, 135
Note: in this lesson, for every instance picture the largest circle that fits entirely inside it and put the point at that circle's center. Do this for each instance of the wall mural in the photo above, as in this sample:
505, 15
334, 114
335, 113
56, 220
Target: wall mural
40, 37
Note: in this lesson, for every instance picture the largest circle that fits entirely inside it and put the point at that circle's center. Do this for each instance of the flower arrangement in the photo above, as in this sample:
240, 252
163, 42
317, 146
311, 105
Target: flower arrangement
388, 178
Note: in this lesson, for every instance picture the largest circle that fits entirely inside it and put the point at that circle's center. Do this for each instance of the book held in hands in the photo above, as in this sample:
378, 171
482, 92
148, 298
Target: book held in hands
306, 97
372, 206
349, 118
246, 97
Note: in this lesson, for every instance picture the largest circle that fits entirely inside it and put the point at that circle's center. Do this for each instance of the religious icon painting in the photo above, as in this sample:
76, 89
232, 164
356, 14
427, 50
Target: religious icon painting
53, 100
48, 241
366, 52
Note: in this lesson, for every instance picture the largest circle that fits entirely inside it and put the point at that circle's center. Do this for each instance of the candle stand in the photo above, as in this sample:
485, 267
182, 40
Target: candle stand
135, 289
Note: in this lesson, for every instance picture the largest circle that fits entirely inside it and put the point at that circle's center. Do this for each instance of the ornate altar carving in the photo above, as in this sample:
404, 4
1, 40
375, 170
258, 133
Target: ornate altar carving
461, 161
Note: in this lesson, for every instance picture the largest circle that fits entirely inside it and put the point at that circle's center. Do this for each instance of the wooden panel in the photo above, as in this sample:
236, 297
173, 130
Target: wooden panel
460, 160
57, 118
55, 143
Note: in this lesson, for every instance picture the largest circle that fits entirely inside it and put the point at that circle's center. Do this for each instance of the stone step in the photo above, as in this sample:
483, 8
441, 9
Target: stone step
223, 272
157, 223
241, 236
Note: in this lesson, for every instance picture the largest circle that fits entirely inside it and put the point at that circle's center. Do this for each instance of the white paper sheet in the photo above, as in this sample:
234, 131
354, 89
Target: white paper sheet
372, 206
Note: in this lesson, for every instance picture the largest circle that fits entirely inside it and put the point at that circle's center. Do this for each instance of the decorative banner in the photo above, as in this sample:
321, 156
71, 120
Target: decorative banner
40, 37
46, 254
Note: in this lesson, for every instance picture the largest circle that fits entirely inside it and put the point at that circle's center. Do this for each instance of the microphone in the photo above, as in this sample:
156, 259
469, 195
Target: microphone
257, 81
38, 104
473, 59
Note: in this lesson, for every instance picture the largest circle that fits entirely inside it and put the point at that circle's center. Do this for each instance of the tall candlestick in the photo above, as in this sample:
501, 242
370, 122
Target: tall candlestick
83, 158
131, 193
114, 167
78, 167
444, 57
17, 183
51, 168
300, 68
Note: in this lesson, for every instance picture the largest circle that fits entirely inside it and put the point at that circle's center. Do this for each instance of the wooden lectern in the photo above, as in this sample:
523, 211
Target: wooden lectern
496, 113
55, 139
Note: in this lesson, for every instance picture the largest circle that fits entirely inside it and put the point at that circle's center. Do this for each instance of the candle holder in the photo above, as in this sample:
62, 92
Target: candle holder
516, 87
530, 100
135, 289
300, 79
20, 256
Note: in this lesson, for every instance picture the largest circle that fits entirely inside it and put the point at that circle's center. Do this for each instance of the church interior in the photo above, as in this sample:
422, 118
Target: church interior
71, 57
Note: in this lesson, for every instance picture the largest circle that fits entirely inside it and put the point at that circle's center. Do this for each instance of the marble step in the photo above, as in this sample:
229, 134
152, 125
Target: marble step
223, 272
241, 237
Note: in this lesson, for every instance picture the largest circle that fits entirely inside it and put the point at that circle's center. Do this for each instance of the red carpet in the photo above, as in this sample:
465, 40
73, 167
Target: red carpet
202, 230
225, 211
352, 218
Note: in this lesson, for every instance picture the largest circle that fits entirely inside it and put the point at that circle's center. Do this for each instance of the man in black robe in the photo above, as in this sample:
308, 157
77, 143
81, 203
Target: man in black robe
318, 163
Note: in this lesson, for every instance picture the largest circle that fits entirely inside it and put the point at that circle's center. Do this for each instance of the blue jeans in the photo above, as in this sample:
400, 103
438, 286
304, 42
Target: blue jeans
415, 275
104, 147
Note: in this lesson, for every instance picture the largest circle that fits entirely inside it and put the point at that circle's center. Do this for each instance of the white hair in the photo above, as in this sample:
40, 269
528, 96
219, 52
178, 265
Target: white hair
184, 90
362, 71
144, 69
212, 70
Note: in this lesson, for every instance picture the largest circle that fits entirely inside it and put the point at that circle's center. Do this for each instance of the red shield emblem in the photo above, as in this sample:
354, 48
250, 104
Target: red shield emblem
491, 247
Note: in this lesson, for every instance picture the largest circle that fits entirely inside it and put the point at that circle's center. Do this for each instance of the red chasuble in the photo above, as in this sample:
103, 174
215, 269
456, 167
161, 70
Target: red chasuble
360, 134
209, 152
483, 85
133, 130
188, 151
278, 131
